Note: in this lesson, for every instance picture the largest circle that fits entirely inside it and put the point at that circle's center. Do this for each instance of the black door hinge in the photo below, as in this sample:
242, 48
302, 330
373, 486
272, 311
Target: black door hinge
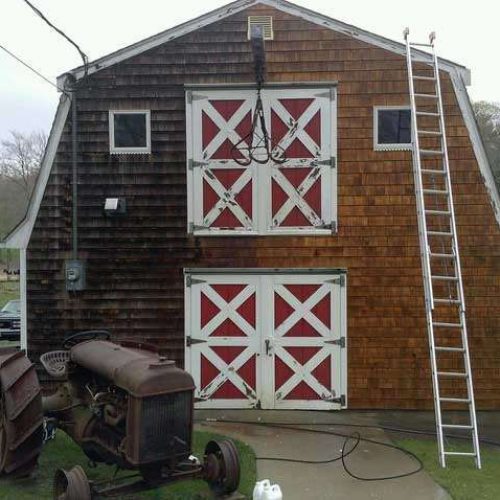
190, 281
190, 341
340, 400
340, 342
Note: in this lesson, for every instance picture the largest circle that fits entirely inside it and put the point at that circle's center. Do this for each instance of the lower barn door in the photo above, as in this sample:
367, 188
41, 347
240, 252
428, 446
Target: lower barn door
265, 340
305, 342
222, 342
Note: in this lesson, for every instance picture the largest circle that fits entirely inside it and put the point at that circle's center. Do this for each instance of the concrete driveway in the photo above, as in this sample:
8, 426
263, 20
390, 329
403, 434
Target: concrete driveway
299, 481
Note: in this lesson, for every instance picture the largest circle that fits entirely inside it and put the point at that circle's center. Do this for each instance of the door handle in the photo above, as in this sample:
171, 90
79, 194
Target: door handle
268, 347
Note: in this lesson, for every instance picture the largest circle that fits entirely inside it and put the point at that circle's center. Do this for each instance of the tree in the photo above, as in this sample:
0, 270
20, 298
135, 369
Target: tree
21, 156
488, 120
20, 159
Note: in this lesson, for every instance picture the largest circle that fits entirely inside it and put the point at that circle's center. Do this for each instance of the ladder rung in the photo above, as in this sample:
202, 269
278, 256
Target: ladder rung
414, 44
433, 172
427, 113
430, 96
462, 453
429, 132
428, 78
437, 212
429, 152
435, 191
442, 255
439, 233
455, 400
447, 325
452, 374
447, 301
449, 349
444, 278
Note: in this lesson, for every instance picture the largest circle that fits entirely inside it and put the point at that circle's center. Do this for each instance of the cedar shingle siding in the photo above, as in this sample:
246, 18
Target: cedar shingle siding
135, 263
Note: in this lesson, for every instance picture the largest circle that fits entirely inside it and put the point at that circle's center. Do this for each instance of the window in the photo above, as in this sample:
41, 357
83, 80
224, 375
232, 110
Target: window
129, 132
391, 128
230, 192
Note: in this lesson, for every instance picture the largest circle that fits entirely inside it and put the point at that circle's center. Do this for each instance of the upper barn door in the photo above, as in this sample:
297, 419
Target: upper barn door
222, 192
304, 341
302, 191
297, 196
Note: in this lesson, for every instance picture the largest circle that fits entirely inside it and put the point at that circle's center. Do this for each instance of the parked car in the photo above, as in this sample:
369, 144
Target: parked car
10, 320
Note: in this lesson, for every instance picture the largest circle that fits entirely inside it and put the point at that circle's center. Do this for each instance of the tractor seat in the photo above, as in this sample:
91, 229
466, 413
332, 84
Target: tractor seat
55, 363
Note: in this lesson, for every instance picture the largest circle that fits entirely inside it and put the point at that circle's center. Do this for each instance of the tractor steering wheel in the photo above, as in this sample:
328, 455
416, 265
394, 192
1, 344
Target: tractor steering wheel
78, 337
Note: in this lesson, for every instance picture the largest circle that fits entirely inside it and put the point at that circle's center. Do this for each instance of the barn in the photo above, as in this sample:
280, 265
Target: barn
286, 285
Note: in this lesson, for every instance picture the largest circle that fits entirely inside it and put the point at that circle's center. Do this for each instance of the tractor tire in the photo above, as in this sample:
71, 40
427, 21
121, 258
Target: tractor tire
21, 414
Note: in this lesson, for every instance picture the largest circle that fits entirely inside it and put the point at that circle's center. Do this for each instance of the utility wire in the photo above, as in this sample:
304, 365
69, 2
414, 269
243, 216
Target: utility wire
84, 57
18, 59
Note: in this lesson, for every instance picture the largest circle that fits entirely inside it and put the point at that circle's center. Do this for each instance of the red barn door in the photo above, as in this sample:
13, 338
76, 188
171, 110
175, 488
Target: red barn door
305, 342
266, 340
294, 197
302, 127
223, 190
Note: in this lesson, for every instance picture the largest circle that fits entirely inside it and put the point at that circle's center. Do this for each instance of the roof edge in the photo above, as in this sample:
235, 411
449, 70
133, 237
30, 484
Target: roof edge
234, 7
477, 143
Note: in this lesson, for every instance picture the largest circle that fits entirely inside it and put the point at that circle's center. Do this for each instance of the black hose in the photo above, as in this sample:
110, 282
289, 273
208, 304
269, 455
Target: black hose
347, 438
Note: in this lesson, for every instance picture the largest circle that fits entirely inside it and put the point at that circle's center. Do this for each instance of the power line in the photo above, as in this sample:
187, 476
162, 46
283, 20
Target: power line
84, 57
18, 59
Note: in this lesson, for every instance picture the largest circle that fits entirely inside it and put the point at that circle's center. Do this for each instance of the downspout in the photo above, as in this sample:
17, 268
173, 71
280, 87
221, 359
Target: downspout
74, 268
74, 177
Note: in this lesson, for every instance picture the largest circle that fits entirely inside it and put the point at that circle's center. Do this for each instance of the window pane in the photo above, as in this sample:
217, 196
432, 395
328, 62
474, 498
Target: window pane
130, 130
394, 126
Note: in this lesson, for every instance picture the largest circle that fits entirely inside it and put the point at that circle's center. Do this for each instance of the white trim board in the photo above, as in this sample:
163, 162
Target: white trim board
239, 5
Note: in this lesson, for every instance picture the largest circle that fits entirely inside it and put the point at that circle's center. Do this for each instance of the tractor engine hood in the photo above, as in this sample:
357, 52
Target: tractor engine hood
140, 372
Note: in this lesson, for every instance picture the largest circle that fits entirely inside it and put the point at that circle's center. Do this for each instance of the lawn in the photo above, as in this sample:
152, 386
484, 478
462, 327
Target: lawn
461, 479
62, 452
8, 290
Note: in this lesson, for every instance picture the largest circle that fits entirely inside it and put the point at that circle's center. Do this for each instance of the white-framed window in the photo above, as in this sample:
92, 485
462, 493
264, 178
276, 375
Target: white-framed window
130, 131
230, 197
391, 128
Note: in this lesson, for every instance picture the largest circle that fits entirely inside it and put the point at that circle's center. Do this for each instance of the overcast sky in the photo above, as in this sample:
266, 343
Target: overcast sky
468, 35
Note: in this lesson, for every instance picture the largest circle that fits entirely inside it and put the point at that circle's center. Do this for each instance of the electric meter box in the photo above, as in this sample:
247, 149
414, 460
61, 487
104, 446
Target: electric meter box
75, 275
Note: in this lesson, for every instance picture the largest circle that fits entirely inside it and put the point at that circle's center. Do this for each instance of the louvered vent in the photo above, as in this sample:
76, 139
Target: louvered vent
265, 21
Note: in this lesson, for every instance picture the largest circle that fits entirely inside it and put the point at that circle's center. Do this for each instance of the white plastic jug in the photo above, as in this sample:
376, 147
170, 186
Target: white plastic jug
264, 490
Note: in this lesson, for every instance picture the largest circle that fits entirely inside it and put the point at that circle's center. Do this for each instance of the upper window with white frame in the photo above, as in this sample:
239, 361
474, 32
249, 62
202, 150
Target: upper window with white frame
130, 131
391, 128
233, 192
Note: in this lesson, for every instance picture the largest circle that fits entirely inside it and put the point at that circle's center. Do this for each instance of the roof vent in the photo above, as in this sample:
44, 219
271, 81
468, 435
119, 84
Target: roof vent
267, 25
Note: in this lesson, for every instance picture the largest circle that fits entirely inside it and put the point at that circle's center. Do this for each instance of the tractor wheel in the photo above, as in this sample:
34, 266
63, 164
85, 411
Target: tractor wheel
71, 485
222, 467
21, 415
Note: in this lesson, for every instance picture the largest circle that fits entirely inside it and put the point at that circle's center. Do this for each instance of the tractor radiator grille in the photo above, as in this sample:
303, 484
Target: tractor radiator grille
166, 422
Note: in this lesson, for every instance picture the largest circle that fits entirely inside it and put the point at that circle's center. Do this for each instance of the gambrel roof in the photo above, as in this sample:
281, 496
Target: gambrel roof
239, 5
460, 77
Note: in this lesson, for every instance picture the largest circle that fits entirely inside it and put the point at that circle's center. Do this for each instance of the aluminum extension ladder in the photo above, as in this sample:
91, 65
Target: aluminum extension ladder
444, 296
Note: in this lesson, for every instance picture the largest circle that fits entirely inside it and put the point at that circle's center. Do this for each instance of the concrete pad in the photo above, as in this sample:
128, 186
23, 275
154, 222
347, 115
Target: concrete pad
300, 481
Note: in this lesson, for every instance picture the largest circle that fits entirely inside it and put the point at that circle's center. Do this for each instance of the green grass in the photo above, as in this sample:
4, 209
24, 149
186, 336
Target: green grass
8, 290
64, 453
460, 478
